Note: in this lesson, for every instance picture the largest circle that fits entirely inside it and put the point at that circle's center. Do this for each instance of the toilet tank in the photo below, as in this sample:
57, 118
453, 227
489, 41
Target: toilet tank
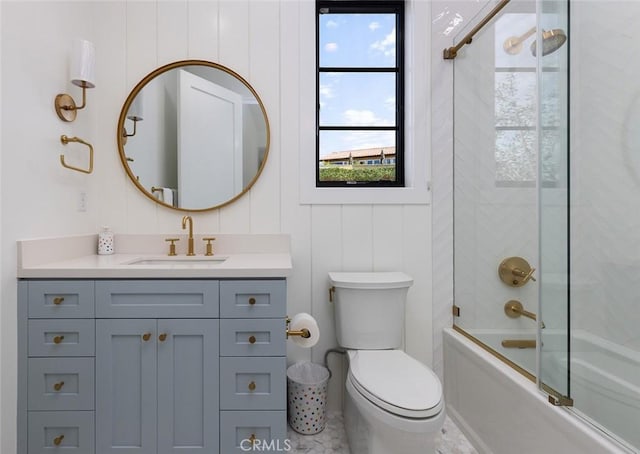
369, 308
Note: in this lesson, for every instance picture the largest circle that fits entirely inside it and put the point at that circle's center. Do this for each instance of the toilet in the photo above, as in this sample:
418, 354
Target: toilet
393, 403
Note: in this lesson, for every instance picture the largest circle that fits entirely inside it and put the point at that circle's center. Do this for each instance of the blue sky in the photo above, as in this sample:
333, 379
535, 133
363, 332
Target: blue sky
348, 40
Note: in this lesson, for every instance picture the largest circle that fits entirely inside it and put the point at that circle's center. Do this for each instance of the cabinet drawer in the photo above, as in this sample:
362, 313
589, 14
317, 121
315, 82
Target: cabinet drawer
253, 337
253, 299
61, 299
71, 432
157, 299
59, 337
253, 383
269, 428
61, 384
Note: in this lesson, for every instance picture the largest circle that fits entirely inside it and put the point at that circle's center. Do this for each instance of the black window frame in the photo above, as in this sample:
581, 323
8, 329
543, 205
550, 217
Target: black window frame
396, 7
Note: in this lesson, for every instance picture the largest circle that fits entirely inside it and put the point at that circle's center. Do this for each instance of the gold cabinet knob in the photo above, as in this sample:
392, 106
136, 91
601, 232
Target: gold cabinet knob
252, 386
252, 339
58, 386
58, 300
252, 439
252, 301
146, 336
162, 337
58, 339
58, 440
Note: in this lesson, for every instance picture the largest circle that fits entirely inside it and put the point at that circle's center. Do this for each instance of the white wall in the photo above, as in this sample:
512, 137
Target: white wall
605, 171
260, 40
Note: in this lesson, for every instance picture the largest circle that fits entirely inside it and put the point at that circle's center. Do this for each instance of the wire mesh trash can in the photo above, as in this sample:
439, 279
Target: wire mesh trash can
307, 397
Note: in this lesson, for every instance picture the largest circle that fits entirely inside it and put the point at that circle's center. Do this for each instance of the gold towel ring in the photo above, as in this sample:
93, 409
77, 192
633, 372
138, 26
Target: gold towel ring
65, 140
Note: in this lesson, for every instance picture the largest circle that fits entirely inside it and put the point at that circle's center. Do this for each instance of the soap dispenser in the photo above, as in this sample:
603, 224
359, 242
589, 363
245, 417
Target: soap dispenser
105, 241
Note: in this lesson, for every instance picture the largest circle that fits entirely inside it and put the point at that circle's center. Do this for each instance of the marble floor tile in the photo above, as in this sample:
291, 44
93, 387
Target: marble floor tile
333, 440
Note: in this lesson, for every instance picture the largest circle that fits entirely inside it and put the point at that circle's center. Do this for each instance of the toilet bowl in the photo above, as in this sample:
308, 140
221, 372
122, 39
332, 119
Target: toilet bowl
393, 403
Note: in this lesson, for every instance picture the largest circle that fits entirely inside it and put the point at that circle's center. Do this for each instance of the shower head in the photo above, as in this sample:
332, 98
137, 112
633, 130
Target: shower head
552, 40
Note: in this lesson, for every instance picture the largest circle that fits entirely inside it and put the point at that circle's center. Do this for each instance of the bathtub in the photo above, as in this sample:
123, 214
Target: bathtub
502, 412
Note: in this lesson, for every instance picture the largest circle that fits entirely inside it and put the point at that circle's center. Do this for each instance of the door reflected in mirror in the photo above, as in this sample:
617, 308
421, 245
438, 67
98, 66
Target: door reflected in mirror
193, 135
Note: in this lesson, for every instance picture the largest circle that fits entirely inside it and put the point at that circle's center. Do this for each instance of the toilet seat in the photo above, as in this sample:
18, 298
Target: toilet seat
396, 382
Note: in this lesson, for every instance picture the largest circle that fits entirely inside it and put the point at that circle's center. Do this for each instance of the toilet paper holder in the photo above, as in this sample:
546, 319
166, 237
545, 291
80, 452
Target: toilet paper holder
304, 332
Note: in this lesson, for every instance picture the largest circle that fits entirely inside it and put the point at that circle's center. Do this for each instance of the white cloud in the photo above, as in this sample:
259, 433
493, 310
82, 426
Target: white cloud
331, 47
390, 103
387, 46
326, 91
331, 24
363, 118
373, 26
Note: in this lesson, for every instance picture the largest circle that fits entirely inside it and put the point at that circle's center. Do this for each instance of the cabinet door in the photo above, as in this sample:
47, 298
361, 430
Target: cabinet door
188, 386
126, 386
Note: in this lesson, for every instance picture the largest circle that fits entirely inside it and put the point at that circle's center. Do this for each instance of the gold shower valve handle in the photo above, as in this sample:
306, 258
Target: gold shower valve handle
515, 271
523, 274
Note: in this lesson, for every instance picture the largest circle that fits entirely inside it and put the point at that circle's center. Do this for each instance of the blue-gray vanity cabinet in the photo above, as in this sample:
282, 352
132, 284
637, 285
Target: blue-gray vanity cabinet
252, 365
146, 364
68, 432
157, 299
56, 349
157, 386
253, 299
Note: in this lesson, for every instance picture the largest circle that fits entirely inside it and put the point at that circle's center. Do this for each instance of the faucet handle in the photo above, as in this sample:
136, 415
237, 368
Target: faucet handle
172, 246
209, 245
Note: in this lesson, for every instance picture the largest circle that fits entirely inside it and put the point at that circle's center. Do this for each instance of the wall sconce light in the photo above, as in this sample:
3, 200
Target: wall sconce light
82, 75
135, 114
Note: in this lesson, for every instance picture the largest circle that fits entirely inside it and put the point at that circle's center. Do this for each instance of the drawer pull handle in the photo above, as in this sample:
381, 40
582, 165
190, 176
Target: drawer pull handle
162, 337
58, 440
252, 386
58, 300
58, 339
252, 439
252, 301
146, 336
252, 339
58, 386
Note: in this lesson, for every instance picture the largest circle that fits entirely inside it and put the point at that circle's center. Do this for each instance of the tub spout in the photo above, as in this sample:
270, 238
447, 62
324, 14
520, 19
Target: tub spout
519, 343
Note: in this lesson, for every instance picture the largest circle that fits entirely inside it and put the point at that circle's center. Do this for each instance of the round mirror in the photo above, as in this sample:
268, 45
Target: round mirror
193, 135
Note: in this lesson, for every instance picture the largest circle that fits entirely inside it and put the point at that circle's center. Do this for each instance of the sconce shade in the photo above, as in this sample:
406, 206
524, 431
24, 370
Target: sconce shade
136, 109
83, 61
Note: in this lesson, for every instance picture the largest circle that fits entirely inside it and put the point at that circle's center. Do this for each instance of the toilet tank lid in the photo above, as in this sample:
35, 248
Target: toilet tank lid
368, 280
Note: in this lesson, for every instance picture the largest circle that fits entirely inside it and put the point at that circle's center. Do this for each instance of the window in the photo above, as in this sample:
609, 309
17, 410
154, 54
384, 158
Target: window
359, 93
516, 95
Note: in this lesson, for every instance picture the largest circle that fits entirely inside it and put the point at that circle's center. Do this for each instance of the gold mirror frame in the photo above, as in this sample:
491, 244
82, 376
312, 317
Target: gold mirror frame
122, 139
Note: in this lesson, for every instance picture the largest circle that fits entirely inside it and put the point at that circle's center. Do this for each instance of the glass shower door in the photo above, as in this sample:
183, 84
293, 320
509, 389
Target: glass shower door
553, 176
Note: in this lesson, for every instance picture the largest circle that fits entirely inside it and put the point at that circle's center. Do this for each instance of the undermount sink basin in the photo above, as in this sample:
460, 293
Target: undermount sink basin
164, 261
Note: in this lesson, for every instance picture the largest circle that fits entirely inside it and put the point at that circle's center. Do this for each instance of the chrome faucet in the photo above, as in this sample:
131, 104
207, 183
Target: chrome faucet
190, 241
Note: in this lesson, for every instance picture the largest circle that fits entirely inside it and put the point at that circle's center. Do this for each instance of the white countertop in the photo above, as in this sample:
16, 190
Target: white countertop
246, 256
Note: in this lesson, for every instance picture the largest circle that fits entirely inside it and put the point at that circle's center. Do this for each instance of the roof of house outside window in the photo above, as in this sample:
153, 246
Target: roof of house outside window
359, 154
